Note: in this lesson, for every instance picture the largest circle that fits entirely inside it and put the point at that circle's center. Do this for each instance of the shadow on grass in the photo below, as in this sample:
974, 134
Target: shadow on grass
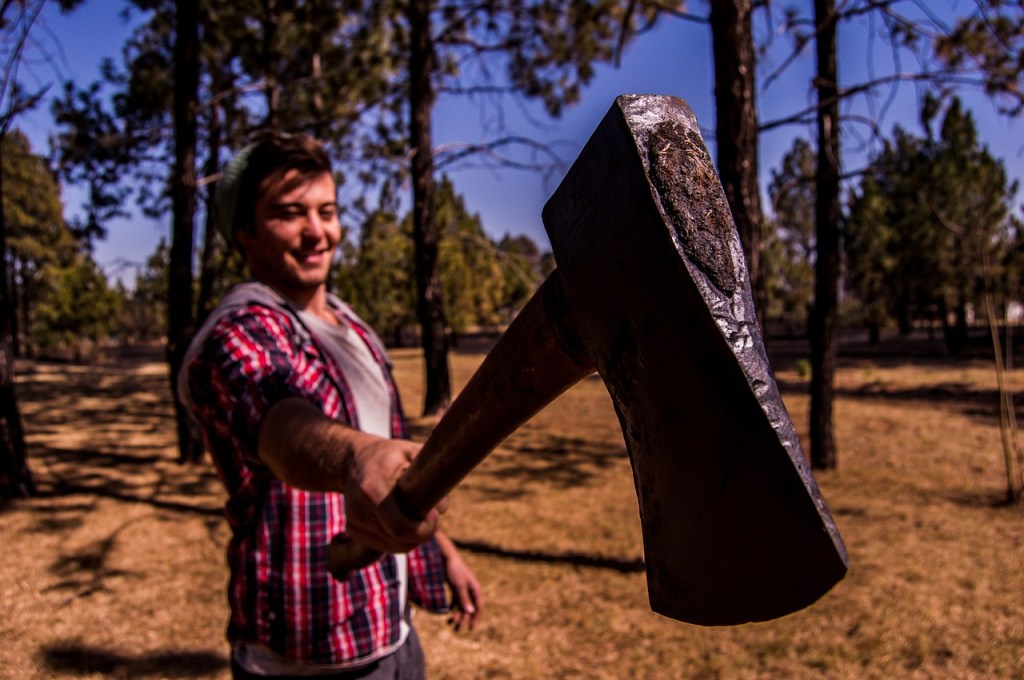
578, 559
984, 500
104, 397
79, 660
548, 462
537, 458
123, 477
972, 402
85, 571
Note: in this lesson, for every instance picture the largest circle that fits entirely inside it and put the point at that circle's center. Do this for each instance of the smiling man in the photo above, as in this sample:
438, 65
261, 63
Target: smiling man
294, 397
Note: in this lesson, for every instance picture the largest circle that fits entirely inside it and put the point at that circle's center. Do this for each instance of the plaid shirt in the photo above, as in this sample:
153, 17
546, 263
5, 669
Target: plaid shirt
280, 592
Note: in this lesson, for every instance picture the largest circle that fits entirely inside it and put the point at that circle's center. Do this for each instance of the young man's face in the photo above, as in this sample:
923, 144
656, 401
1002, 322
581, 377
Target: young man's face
295, 231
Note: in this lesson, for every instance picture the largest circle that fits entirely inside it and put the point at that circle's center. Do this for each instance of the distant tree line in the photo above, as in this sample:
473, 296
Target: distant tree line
364, 77
927, 230
67, 307
929, 226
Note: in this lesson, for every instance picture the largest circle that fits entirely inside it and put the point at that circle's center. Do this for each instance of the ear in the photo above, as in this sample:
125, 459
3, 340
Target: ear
244, 238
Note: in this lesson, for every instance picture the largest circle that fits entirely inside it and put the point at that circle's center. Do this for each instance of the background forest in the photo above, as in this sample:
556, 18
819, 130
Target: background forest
924, 235
886, 260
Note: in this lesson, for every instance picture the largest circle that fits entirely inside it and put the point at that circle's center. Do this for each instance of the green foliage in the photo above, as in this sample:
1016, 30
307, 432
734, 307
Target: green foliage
33, 210
37, 238
870, 252
80, 310
525, 266
990, 41
378, 279
94, 151
143, 316
787, 257
484, 282
471, 275
553, 47
929, 226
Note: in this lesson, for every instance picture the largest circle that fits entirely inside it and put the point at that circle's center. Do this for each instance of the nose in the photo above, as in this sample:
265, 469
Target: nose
314, 226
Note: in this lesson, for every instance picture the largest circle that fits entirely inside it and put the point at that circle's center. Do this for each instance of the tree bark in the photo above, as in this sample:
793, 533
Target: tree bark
826, 300
15, 476
180, 317
429, 301
273, 93
208, 261
736, 131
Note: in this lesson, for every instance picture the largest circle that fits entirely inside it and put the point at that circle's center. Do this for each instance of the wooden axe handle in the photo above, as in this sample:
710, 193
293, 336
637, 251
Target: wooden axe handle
537, 359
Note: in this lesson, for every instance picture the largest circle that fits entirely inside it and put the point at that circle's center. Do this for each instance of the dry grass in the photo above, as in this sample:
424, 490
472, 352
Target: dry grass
117, 570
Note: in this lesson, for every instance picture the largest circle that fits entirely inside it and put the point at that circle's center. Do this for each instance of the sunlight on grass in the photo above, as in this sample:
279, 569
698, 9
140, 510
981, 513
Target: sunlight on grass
119, 567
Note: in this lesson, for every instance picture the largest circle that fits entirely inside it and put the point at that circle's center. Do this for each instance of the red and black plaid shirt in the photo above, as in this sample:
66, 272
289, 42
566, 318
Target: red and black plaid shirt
280, 592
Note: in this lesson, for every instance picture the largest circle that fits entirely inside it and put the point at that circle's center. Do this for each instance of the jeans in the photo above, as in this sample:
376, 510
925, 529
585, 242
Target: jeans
407, 663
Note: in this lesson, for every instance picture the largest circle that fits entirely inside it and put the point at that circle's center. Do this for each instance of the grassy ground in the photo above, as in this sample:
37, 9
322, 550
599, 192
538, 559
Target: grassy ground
117, 570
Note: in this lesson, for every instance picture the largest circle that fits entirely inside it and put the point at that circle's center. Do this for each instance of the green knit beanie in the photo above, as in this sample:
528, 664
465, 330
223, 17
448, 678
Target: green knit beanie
226, 199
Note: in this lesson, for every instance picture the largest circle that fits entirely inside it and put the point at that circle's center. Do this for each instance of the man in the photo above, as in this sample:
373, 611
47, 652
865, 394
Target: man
294, 397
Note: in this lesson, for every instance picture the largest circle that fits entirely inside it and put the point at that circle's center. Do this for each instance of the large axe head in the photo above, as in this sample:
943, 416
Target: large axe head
734, 526
651, 289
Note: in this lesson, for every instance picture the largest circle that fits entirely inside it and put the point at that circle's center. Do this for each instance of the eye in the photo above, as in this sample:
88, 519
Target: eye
329, 212
291, 212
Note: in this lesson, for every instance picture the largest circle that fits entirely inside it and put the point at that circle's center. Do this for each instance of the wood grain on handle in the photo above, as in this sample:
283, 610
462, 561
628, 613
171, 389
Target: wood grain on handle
535, 361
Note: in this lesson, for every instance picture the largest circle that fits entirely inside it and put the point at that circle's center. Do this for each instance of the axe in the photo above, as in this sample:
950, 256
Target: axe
651, 290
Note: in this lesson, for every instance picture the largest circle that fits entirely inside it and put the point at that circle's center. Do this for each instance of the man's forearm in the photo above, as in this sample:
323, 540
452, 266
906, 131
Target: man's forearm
306, 449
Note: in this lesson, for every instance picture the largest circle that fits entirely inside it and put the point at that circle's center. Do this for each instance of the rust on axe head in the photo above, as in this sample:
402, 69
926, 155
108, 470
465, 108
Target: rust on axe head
735, 529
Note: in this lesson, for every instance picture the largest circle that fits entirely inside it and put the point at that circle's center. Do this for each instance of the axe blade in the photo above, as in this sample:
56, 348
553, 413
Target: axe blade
734, 527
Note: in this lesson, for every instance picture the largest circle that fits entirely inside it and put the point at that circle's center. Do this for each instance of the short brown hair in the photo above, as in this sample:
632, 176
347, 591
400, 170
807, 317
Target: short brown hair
263, 163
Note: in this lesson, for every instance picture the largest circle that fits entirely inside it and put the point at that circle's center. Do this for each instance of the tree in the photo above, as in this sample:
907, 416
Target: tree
378, 279
983, 48
470, 266
37, 237
278, 50
16, 21
548, 50
94, 149
144, 312
525, 266
968, 200
484, 282
736, 131
80, 310
826, 263
931, 223
180, 312
789, 247
990, 41
870, 265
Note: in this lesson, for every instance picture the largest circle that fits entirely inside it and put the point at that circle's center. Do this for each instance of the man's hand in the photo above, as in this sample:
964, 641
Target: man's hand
467, 603
373, 518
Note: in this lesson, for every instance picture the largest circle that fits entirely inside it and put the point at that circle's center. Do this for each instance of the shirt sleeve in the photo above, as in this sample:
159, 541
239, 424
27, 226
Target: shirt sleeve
427, 578
251, 359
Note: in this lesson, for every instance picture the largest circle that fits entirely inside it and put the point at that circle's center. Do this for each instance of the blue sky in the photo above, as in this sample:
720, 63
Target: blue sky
674, 59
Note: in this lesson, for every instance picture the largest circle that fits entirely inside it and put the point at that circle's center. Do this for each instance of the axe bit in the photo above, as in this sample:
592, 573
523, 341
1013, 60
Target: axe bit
652, 290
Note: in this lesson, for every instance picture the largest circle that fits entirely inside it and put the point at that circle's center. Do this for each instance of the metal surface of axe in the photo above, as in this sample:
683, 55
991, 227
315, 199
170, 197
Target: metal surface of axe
651, 290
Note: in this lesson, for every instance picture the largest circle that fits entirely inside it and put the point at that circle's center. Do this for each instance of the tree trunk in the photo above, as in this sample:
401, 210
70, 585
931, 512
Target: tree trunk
955, 334
28, 294
904, 320
272, 92
180, 318
208, 262
826, 275
429, 301
18, 303
15, 476
737, 130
